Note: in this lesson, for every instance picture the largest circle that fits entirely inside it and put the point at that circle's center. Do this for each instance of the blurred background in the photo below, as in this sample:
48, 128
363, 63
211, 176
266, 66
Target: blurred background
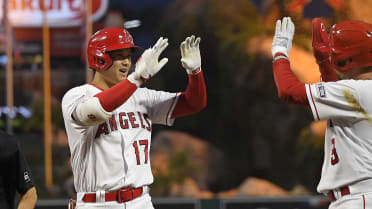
246, 143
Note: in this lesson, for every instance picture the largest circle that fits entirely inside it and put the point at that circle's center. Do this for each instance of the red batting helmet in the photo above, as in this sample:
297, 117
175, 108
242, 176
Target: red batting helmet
351, 45
106, 40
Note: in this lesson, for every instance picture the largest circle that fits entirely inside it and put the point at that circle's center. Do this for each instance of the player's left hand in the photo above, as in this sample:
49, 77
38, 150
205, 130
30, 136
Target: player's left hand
283, 37
190, 53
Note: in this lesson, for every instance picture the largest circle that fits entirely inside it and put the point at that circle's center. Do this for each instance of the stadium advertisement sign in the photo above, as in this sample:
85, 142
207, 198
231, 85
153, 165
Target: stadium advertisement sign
61, 13
65, 17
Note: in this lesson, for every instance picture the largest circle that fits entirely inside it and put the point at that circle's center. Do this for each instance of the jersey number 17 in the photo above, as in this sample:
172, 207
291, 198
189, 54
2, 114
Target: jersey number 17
143, 143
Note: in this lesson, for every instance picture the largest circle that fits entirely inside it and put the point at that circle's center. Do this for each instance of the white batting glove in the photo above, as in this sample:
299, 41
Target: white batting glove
148, 65
157, 49
283, 37
190, 53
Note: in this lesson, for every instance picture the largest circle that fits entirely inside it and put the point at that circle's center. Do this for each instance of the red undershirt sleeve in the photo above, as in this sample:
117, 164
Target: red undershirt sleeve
115, 96
194, 99
290, 89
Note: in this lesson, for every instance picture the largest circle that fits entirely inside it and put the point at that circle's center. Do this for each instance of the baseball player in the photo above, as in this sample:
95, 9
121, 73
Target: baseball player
109, 121
346, 104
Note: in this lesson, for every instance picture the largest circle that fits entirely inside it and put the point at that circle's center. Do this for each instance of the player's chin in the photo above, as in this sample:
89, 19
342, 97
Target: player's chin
122, 76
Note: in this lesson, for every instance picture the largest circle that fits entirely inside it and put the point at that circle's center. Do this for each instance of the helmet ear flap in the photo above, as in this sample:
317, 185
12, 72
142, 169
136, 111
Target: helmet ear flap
107, 62
102, 61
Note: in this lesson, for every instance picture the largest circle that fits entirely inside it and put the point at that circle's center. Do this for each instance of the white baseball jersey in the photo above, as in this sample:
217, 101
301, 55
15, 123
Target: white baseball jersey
116, 153
347, 105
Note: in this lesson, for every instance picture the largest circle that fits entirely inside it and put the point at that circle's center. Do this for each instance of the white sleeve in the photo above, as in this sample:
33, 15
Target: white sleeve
161, 105
334, 100
82, 109
69, 103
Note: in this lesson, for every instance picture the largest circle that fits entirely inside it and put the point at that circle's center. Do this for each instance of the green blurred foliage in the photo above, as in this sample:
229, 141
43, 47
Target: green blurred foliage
36, 122
180, 166
234, 24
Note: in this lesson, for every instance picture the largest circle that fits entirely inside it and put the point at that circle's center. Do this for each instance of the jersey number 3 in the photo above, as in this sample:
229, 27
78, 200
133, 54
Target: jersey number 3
142, 143
334, 156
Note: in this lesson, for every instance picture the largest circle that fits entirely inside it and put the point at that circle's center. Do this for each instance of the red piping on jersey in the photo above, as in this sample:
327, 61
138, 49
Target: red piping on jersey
312, 99
364, 202
194, 99
115, 96
290, 89
170, 108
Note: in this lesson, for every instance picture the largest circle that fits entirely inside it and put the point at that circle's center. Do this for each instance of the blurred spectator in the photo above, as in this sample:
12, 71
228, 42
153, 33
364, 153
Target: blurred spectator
15, 175
114, 18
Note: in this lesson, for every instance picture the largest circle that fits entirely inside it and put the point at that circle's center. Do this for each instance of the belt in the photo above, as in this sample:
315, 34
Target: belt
343, 190
122, 195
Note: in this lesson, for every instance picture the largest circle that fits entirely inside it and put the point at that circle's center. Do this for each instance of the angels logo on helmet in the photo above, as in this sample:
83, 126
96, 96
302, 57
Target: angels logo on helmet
351, 45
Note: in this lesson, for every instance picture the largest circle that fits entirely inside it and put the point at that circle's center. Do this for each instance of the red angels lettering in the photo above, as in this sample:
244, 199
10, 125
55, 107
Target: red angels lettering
112, 123
132, 119
334, 156
124, 125
102, 129
141, 120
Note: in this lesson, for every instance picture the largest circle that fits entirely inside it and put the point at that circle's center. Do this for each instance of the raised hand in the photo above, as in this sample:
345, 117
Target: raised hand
148, 65
283, 37
154, 65
190, 53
